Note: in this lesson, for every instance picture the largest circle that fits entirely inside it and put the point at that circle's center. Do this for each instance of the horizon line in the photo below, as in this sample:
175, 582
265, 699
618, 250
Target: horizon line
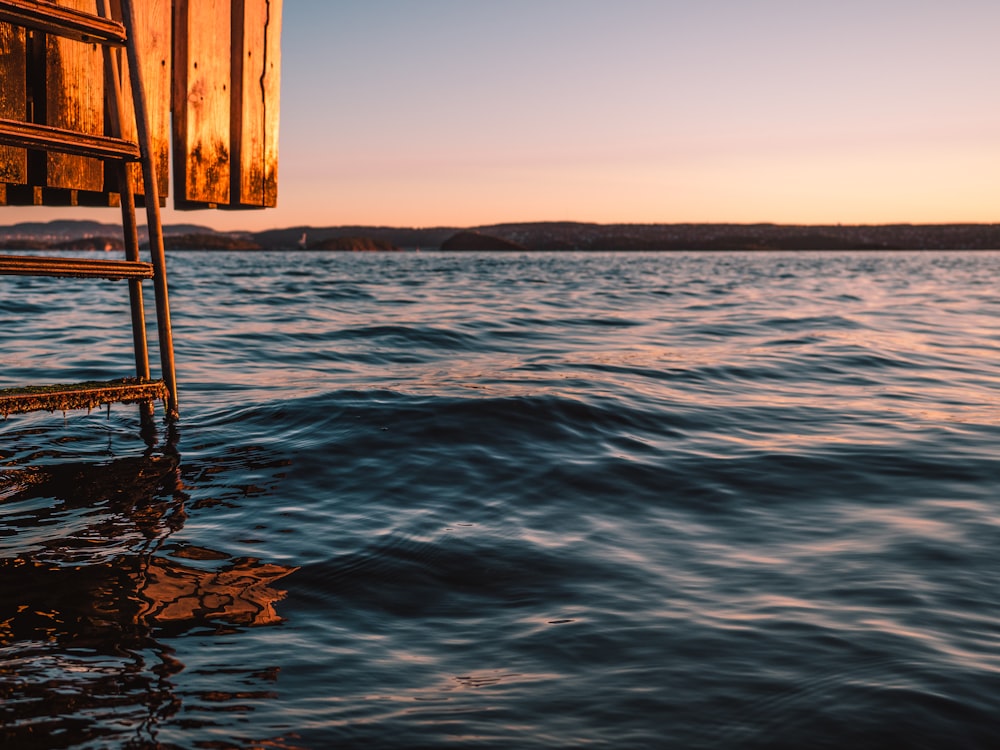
527, 223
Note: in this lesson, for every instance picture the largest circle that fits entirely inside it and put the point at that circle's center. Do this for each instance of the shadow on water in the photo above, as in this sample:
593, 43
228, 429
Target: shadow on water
91, 593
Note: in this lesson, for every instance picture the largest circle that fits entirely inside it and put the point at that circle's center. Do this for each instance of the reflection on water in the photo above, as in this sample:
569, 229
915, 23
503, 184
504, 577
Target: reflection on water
635, 500
91, 592
238, 593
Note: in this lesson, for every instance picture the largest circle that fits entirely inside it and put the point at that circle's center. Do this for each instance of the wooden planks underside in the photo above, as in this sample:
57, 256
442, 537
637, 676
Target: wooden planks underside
211, 67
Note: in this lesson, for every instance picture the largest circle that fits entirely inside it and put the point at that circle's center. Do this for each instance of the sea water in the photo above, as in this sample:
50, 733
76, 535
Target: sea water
622, 500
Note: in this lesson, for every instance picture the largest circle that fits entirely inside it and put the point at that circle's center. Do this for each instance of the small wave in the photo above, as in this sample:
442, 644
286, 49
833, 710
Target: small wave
404, 336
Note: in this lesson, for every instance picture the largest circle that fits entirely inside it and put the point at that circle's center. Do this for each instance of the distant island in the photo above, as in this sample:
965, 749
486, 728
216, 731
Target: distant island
546, 236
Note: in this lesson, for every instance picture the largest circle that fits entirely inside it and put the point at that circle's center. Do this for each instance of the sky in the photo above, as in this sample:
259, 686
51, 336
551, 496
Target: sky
471, 112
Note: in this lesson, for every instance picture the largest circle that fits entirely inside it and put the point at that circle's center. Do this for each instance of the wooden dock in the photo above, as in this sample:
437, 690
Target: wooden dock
88, 91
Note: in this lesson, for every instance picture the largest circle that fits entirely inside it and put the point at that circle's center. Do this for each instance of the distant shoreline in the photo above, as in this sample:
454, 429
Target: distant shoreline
524, 237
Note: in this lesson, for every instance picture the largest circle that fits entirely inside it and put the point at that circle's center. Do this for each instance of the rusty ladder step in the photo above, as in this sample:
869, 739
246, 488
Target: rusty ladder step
80, 268
47, 138
62, 21
64, 397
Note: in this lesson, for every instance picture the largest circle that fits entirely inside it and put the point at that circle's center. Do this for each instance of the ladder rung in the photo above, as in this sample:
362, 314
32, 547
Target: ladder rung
48, 138
64, 397
66, 22
81, 268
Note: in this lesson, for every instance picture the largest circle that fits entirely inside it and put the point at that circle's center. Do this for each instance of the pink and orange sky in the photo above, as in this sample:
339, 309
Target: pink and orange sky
465, 112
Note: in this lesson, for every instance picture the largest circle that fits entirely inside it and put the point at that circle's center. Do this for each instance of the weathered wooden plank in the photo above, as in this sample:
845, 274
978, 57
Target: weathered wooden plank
74, 100
256, 64
153, 37
201, 102
13, 102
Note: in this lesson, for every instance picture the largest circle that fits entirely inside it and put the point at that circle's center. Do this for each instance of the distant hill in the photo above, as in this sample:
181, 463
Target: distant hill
477, 241
313, 237
606, 237
62, 229
67, 230
527, 236
208, 241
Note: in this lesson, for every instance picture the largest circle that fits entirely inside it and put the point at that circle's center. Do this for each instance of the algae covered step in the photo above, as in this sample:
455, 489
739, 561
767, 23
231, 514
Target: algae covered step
64, 397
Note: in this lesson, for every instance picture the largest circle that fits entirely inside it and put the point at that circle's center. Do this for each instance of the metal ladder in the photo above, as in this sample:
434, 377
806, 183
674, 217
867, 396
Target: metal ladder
101, 29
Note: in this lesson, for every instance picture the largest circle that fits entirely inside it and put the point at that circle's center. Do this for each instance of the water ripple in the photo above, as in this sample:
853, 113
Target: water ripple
517, 500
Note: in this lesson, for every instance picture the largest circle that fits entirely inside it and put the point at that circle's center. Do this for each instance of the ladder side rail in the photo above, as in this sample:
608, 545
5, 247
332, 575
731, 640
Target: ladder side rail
153, 224
116, 123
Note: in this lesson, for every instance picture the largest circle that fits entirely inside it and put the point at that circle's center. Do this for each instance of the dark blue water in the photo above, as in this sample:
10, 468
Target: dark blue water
495, 501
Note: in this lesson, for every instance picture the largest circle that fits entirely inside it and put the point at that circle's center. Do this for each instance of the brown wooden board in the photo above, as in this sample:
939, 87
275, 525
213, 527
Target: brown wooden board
13, 104
201, 103
256, 66
74, 99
